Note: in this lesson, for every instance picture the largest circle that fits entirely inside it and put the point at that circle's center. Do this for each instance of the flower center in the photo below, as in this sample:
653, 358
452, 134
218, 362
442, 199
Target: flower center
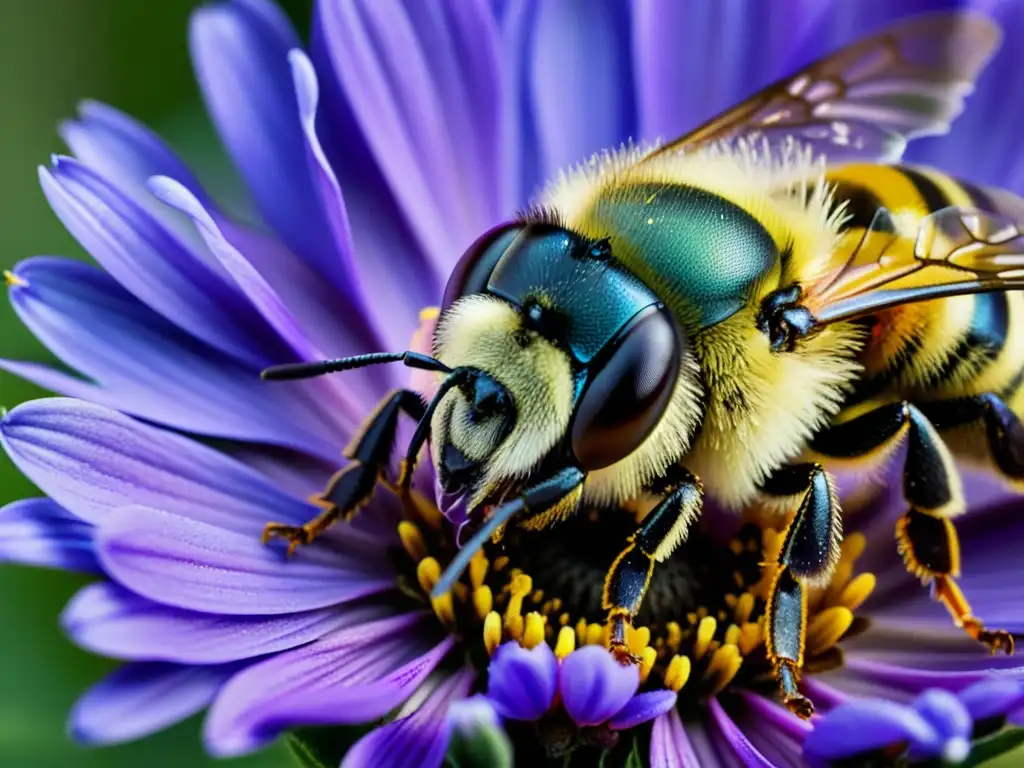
701, 628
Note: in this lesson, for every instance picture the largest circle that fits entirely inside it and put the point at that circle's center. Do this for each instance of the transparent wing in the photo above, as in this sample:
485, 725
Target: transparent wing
955, 251
864, 101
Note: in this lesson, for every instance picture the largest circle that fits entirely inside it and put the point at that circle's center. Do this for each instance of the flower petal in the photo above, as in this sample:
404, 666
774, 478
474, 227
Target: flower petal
240, 51
40, 532
522, 683
747, 753
140, 699
594, 686
147, 367
418, 739
643, 707
951, 721
92, 460
992, 697
153, 264
354, 675
670, 746
422, 84
187, 564
110, 620
864, 725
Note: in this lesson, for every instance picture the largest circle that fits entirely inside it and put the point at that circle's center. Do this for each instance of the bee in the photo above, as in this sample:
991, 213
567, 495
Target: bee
733, 315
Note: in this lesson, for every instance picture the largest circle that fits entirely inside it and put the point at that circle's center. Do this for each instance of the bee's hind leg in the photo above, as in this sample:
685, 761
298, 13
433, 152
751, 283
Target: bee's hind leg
658, 535
353, 485
810, 549
926, 536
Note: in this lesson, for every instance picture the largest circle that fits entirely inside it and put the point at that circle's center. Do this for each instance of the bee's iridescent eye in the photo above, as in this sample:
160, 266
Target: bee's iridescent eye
474, 269
629, 391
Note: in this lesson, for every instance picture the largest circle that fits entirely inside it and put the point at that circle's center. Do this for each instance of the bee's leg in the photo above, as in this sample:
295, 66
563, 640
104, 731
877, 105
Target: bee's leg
353, 485
658, 534
926, 535
809, 552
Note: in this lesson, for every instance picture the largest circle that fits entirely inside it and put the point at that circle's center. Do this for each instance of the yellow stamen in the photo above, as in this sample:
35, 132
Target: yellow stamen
827, 627
428, 571
724, 665
677, 673
501, 562
744, 607
461, 591
478, 569
853, 546
731, 601
732, 634
556, 604
14, 281
857, 591
426, 510
595, 634
674, 635
429, 313
566, 642
537, 596
492, 632
750, 637
483, 601
533, 635
412, 540
647, 658
444, 607
705, 631
638, 638
519, 588
514, 626
581, 632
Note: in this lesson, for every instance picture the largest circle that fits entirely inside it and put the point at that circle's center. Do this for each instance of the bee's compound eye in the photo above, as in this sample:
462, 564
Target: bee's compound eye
627, 395
474, 269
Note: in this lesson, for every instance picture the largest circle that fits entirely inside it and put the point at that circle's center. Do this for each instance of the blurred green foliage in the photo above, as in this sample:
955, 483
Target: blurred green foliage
131, 54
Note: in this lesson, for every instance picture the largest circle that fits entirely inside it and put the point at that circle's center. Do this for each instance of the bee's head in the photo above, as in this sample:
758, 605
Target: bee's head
564, 359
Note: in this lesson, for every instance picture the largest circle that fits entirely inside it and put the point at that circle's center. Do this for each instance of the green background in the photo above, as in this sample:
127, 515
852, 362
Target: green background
131, 54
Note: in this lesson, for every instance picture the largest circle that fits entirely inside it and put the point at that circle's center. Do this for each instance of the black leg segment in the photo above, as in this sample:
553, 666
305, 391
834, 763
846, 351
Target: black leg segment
353, 485
1003, 429
658, 535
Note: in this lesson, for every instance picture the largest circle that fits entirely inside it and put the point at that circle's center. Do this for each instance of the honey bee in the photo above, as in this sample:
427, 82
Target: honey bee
733, 314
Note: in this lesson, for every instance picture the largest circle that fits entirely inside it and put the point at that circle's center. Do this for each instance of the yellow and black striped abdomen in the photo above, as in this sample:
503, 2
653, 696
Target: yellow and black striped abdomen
938, 349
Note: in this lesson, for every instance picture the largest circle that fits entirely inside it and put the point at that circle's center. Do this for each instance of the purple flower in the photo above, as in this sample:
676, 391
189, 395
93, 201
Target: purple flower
936, 724
373, 159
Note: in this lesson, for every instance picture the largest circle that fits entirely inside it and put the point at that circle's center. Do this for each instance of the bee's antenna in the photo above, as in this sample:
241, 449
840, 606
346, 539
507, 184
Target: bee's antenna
320, 367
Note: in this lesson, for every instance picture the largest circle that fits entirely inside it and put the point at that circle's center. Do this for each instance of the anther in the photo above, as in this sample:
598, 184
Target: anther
744, 607
705, 631
677, 673
647, 658
750, 637
428, 572
638, 638
828, 627
14, 281
857, 591
674, 635
425, 510
566, 643
732, 635
595, 634
492, 632
533, 634
483, 600
444, 607
412, 540
725, 663
478, 569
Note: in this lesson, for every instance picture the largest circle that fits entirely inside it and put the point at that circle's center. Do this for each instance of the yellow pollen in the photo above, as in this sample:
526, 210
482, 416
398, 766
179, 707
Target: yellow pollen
732, 634
537, 596
595, 634
444, 607
478, 569
725, 663
581, 632
533, 635
412, 540
492, 632
564, 619
705, 631
677, 673
638, 638
744, 607
647, 658
674, 635
14, 281
566, 642
750, 637
556, 604
428, 571
857, 591
827, 627
429, 313
483, 601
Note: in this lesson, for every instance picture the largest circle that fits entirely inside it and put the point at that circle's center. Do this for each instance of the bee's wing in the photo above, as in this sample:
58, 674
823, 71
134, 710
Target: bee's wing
955, 251
864, 101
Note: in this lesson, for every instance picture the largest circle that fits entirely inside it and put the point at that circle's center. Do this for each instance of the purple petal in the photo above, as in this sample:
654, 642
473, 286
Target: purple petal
578, 80
240, 51
641, 708
522, 683
864, 725
594, 686
147, 367
421, 82
187, 564
951, 721
112, 621
39, 532
153, 264
140, 699
92, 460
469, 715
354, 675
737, 741
992, 697
670, 746
418, 739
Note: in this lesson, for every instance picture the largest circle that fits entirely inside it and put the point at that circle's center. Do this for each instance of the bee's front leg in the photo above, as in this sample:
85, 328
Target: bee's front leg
809, 552
655, 539
352, 486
